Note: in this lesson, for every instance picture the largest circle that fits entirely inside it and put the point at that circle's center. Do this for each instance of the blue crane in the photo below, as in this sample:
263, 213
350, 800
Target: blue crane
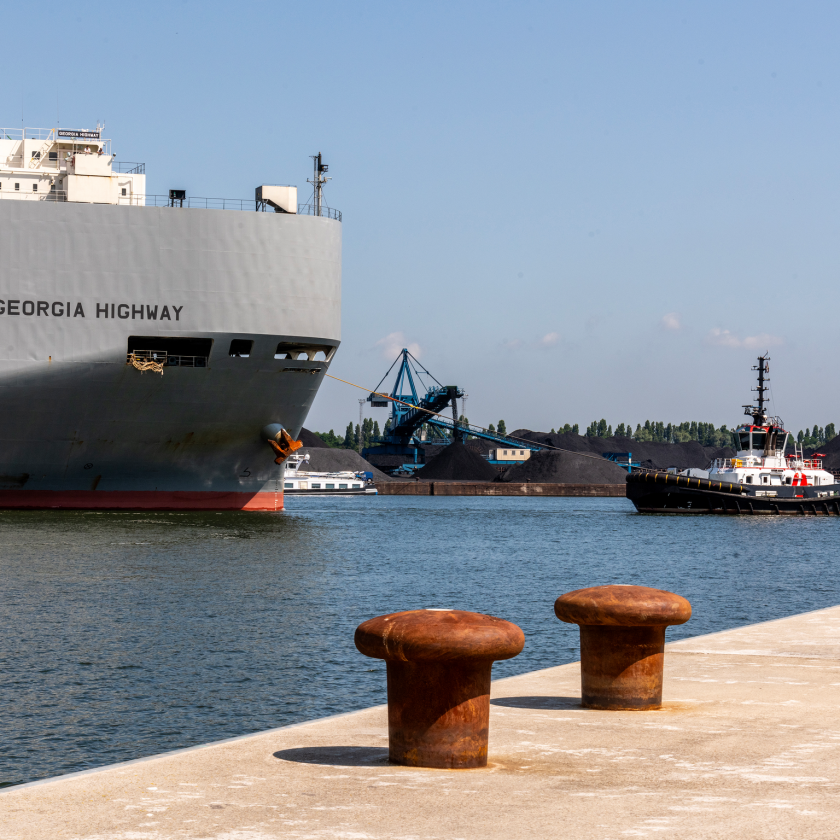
410, 411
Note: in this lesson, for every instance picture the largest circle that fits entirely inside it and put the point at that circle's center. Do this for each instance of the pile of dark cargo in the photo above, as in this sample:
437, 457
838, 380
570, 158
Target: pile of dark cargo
323, 458
457, 462
580, 462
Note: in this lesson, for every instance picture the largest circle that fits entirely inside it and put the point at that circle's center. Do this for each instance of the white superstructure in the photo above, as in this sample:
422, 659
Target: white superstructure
761, 460
300, 480
59, 164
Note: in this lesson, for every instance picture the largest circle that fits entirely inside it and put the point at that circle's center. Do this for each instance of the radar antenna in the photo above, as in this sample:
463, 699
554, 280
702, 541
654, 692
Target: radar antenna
758, 413
319, 179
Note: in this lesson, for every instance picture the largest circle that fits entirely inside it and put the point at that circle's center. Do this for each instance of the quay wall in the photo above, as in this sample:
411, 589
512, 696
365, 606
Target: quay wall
494, 488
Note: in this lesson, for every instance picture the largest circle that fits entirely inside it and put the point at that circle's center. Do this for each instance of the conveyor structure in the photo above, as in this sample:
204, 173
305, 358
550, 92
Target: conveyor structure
410, 411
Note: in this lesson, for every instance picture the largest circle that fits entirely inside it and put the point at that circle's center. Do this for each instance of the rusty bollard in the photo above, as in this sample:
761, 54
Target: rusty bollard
438, 665
622, 642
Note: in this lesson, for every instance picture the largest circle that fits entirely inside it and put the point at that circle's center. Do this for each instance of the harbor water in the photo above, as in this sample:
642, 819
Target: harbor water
129, 634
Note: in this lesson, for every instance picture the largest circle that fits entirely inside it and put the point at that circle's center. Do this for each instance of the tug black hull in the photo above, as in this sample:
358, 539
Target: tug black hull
663, 492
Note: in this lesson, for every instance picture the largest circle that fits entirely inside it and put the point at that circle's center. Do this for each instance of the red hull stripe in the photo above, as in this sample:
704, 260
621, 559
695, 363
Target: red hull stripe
139, 500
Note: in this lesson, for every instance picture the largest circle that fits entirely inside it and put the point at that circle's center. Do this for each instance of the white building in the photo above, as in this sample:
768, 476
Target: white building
510, 455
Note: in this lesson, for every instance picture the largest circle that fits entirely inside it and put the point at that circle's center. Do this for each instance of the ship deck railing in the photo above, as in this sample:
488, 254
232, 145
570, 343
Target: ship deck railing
167, 359
225, 204
148, 200
761, 463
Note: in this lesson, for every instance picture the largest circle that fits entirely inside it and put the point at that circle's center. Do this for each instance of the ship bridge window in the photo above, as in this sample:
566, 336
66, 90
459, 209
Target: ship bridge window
241, 347
758, 440
744, 440
173, 351
53, 156
304, 352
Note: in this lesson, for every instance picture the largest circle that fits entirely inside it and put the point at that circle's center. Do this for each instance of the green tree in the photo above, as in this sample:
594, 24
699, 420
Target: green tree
619, 430
575, 429
609, 431
492, 429
602, 428
376, 432
331, 439
502, 428
348, 437
829, 432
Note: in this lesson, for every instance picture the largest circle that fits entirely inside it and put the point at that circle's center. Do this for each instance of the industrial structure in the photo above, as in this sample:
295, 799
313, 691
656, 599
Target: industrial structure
416, 419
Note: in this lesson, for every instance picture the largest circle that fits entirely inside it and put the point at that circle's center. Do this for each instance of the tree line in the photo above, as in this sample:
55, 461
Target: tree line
706, 434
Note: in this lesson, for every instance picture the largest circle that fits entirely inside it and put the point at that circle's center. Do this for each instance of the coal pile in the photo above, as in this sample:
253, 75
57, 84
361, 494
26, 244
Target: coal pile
457, 463
652, 455
311, 440
565, 468
337, 460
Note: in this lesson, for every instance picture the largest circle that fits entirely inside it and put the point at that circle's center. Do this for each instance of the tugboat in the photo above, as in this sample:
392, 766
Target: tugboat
760, 479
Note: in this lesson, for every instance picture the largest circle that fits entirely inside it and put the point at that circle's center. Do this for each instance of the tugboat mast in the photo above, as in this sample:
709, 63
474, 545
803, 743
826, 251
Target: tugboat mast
758, 413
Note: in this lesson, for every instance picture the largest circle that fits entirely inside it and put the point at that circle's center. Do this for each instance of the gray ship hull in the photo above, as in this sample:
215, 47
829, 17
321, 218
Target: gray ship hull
82, 284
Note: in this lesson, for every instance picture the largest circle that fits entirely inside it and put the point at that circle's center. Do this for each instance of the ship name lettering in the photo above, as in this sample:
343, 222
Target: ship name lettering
56, 308
133, 311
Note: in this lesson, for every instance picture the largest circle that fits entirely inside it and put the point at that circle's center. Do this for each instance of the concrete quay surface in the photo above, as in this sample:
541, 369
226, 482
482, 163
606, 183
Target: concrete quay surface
746, 746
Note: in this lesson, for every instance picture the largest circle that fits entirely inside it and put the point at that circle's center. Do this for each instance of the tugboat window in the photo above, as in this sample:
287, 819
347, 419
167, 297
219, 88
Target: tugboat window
758, 440
749, 479
745, 440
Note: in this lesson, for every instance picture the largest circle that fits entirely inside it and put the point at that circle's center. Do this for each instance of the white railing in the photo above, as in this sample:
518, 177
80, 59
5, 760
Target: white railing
761, 463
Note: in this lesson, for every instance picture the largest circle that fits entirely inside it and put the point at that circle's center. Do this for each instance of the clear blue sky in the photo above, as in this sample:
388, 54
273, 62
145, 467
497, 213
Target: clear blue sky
573, 210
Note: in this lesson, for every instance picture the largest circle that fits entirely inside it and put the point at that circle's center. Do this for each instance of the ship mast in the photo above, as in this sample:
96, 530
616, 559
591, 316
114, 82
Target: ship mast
319, 178
758, 413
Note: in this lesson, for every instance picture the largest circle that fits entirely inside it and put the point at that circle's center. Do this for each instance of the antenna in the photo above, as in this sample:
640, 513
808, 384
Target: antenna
758, 413
319, 178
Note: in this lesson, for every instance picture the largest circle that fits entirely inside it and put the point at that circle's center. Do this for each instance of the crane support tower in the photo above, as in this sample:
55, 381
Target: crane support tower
415, 420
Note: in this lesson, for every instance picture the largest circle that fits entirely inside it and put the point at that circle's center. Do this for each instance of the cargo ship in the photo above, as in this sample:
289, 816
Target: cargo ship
762, 478
156, 351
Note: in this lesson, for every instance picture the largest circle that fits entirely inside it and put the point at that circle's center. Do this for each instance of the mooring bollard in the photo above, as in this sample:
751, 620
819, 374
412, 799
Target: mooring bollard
438, 665
622, 642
